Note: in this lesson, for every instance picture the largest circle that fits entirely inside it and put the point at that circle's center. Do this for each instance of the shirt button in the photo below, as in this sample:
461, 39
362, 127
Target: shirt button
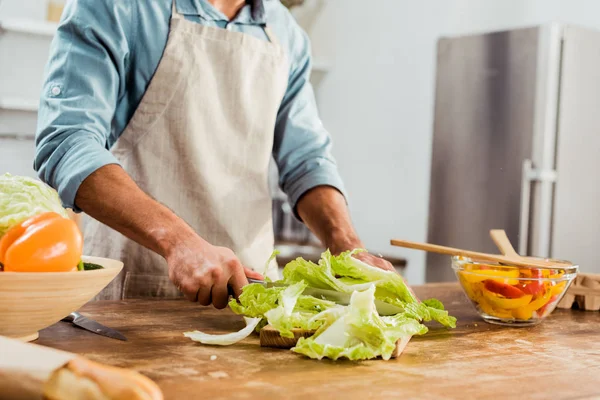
55, 91
229, 26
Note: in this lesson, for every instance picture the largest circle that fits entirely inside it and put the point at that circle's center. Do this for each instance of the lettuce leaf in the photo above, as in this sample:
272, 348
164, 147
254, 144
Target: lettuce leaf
23, 197
357, 332
347, 274
284, 308
226, 339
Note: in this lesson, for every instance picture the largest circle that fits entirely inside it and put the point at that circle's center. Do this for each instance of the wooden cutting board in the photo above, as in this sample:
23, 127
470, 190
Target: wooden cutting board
270, 337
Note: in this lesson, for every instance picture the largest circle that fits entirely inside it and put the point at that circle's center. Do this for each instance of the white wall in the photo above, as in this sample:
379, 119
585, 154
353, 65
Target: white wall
378, 98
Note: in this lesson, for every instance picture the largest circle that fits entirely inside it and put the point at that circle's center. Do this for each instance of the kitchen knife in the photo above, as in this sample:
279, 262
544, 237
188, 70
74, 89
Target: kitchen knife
93, 326
337, 297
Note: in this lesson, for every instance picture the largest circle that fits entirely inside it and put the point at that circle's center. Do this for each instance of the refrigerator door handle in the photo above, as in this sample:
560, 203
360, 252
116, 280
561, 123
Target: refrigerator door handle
529, 175
526, 175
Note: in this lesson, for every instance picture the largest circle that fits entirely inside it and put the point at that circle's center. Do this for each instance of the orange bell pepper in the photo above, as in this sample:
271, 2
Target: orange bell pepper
43, 243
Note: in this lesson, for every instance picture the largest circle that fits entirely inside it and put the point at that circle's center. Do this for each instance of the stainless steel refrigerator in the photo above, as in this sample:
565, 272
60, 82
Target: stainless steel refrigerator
516, 144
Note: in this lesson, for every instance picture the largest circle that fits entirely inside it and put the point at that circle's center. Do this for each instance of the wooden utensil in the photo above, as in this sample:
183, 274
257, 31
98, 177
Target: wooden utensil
503, 243
506, 248
434, 248
270, 337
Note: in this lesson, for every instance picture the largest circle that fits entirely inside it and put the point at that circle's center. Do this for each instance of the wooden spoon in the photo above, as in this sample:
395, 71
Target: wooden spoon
508, 260
503, 243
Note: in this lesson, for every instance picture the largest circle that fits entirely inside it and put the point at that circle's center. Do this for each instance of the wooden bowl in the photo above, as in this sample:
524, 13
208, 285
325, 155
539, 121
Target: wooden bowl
31, 301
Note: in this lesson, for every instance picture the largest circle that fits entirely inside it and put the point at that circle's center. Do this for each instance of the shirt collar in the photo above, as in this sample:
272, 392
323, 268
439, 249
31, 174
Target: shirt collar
253, 12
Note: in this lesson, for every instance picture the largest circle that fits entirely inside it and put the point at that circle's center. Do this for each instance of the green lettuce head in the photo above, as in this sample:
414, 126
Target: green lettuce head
23, 197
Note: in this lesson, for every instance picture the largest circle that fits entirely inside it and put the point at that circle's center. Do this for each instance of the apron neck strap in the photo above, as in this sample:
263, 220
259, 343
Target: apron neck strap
268, 31
174, 13
270, 34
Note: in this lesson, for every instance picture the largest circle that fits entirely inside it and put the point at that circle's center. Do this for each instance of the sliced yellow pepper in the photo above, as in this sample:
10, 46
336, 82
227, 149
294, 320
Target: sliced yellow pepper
504, 303
483, 274
558, 288
487, 308
526, 311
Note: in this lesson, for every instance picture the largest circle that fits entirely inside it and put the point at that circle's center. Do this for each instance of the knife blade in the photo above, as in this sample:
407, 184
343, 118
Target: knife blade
341, 298
93, 326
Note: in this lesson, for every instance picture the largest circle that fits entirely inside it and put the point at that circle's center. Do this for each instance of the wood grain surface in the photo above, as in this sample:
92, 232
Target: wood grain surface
558, 359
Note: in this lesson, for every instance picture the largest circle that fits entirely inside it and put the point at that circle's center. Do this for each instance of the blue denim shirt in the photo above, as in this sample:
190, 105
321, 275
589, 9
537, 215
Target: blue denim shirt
102, 59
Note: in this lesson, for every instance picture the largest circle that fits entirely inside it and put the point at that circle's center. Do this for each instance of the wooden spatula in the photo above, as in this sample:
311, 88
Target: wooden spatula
504, 259
503, 243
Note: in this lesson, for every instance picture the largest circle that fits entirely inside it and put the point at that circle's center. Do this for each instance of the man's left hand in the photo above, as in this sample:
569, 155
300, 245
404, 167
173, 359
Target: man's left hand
375, 261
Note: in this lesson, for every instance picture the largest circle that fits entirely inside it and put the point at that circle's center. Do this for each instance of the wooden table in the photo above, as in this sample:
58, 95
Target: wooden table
559, 359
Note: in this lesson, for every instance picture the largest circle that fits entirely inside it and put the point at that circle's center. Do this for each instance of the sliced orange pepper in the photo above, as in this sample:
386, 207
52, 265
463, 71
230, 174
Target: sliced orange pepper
43, 243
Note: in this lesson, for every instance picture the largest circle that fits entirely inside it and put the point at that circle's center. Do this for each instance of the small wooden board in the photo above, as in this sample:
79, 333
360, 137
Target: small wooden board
584, 291
270, 337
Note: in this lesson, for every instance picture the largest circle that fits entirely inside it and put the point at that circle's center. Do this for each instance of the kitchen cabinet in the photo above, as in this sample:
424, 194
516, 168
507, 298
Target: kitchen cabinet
475, 360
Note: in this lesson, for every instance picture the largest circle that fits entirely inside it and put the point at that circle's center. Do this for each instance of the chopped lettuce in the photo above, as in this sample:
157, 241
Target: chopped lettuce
434, 303
345, 273
226, 339
284, 308
23, 197
256, 300
357, 332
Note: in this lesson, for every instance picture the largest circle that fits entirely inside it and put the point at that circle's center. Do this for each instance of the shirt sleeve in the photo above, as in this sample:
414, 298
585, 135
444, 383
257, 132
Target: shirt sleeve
84, 76
302, 145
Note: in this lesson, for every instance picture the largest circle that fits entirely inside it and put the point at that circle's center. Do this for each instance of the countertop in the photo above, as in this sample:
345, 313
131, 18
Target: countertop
558, 359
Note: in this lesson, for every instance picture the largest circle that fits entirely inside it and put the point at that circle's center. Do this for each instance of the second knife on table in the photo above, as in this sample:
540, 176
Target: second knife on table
93, 326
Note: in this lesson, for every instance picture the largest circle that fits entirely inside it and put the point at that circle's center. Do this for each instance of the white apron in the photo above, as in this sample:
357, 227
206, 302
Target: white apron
200, 143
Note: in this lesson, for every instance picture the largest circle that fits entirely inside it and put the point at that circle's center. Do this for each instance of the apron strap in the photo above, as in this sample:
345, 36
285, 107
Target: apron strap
269, 34
174, 13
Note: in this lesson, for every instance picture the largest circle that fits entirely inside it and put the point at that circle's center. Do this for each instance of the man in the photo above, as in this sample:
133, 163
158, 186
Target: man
158, 119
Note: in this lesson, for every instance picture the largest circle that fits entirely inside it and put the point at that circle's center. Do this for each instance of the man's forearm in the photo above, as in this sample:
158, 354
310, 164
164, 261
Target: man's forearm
112, 197
324, 211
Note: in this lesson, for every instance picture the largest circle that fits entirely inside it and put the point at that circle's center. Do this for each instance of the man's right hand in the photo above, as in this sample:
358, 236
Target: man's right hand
200, 270
203, 272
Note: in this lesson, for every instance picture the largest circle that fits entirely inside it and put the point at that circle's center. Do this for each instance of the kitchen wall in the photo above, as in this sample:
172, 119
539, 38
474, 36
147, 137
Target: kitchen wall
377, 99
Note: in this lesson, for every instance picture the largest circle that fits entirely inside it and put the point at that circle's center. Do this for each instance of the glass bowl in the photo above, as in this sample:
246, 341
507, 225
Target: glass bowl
511, 295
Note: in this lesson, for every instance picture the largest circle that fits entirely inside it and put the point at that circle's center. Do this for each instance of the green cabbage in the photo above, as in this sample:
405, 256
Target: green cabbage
345, 273
357, 332
23, 197
284, 308
226, 339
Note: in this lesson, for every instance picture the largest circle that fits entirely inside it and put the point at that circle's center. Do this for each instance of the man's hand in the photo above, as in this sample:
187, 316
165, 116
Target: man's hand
323, 209
204, 272
375, 261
